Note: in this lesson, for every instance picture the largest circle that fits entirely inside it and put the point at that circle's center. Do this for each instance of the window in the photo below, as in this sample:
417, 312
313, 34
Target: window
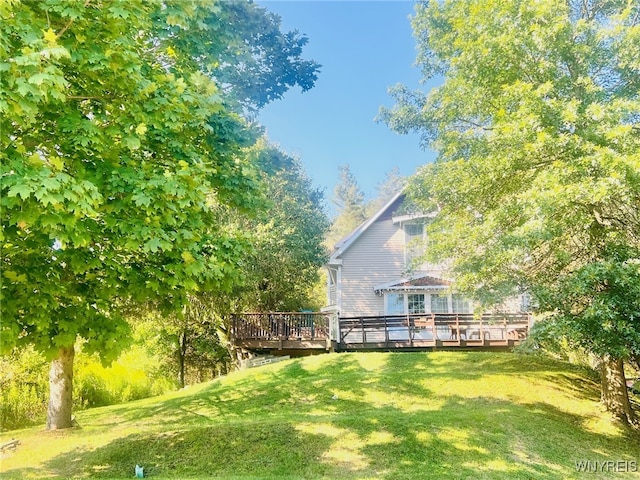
415, 303
413, 231
414, 245
395, 303
460, 304
439, 303
418, 303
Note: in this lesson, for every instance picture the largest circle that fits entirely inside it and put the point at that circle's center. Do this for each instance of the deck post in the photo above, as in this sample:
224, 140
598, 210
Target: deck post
386, 333
434, 328
364, 335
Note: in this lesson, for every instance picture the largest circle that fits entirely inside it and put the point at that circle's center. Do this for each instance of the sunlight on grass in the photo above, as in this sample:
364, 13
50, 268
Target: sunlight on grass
346, 416
492, 466
423, 436
460, 439
314, 363
345, 448
377, 398
373, 362
381, 438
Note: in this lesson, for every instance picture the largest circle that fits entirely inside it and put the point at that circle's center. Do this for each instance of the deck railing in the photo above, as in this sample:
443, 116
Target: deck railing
434, 329
279, 325
384, 331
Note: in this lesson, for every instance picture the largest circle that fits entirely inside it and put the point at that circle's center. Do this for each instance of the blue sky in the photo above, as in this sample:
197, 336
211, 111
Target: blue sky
364, 47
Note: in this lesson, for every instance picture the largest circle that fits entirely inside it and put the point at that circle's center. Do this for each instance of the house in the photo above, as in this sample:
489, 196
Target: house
372, 271
381, 297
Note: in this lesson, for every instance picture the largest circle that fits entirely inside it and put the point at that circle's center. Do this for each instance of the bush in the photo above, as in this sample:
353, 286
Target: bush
24, 382
133, 376
24, 389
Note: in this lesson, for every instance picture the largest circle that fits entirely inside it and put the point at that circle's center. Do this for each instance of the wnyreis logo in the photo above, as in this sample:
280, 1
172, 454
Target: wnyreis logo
606, 466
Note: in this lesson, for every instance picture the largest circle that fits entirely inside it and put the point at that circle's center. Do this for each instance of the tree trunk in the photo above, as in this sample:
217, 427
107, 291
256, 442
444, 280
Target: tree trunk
61, 390
614, 389
182, 353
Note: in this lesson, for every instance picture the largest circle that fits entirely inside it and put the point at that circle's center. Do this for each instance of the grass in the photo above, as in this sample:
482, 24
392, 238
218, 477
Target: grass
350, 416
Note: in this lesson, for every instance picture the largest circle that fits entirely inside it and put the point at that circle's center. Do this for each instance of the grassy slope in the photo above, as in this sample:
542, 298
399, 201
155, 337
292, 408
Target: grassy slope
375, 415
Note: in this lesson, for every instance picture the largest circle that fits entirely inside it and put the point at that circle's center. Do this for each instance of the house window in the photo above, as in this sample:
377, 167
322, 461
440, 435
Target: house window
460, 304
414, 245
439, 303
418, 303
413, 231
395, 303
415, 303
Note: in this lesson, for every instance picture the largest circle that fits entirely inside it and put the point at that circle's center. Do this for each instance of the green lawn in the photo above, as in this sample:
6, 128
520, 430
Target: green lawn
350, 416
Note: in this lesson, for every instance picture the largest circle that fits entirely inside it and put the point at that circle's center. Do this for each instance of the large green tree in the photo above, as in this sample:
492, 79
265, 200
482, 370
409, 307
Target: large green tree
119, 132
279, 271
287, 235
538, 174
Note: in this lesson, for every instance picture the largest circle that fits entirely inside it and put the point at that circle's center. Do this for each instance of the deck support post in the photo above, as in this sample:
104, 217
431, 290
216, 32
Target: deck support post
386, 333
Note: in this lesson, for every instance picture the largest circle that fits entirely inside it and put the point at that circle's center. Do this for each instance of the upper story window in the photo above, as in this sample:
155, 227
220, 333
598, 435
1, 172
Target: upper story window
414, 243
413, 231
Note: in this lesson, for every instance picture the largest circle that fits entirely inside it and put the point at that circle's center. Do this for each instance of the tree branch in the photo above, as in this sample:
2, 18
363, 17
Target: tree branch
66, 27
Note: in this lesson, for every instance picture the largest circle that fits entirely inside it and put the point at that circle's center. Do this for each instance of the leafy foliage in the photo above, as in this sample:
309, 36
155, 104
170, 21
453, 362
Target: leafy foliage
140, 371
349, 198
259, 63
538, 169
287, 236
538, 174
121, 134
113, 142
605, 296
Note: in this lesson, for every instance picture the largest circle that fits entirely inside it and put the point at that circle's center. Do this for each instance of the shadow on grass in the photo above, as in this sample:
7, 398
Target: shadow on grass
346, 418
479, 438
227, 450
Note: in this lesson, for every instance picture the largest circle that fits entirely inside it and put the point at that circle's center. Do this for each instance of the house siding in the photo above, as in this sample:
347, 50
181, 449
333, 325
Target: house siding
376, 257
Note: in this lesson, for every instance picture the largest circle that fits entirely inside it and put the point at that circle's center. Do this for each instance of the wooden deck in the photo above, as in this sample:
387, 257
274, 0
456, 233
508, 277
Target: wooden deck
319, 331
282, 331
439, 330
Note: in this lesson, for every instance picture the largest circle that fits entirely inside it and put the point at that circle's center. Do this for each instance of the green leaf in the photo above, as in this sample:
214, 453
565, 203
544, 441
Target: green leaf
21, 189
132, 143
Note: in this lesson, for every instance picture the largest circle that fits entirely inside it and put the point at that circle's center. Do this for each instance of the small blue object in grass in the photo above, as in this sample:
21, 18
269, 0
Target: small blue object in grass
139, 471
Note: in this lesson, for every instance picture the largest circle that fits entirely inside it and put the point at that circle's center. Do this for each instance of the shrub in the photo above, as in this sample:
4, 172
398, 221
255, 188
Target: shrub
24, 389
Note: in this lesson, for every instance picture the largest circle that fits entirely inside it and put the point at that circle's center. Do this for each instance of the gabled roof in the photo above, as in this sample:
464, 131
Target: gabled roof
347, 241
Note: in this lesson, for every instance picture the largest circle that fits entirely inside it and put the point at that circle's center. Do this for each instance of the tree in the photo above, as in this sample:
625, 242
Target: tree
287, 236
116, 144
538, 174
258, 62
393, 183
195, 338
352, 210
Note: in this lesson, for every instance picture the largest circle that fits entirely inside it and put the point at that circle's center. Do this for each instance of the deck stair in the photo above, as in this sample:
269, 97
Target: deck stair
261, 360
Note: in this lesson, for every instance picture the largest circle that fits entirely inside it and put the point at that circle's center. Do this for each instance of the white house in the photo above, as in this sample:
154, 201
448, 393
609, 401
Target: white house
371, 270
